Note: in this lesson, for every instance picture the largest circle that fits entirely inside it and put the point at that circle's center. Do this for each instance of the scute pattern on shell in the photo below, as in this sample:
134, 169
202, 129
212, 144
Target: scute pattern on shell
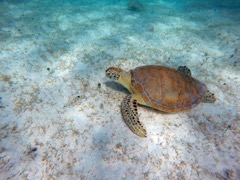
167, 89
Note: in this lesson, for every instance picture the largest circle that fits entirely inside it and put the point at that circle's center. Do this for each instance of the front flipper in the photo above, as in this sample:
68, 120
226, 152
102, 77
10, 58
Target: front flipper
130, 115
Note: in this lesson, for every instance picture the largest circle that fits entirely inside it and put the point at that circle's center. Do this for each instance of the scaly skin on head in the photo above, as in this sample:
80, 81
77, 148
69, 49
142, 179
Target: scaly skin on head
114, 73
120, 76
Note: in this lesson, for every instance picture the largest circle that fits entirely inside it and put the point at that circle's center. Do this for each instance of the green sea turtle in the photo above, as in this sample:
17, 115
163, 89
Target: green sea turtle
158, 87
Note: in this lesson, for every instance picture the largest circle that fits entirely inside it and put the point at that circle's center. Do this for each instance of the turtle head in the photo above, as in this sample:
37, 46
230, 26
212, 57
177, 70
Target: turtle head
114, 73
120, 76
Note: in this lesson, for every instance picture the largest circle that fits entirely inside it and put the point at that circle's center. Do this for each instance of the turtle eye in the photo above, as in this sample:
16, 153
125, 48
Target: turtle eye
108, 74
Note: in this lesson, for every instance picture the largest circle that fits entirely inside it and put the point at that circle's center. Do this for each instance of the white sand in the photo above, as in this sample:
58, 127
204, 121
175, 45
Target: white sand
77, 127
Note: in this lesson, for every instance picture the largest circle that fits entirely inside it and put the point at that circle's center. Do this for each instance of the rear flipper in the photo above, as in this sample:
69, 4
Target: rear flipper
209, 98
184, 70
130, 116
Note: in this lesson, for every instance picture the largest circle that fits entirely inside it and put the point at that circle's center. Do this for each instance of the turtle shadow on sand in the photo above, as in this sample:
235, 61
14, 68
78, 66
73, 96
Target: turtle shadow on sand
135, 5
117, 87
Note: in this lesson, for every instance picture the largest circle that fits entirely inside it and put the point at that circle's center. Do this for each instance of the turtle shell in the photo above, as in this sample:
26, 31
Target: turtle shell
167, 89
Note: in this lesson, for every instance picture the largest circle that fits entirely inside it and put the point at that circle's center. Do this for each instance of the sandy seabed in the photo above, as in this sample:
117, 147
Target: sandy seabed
60, 116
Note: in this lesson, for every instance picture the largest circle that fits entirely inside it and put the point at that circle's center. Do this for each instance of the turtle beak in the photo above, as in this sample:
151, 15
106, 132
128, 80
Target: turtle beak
108, 73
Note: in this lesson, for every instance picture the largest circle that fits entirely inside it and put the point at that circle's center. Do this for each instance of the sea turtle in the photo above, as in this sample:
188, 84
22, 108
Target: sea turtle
158, 87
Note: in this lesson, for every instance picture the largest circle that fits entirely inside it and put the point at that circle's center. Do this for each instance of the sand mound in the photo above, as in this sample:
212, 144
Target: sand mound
135, 5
